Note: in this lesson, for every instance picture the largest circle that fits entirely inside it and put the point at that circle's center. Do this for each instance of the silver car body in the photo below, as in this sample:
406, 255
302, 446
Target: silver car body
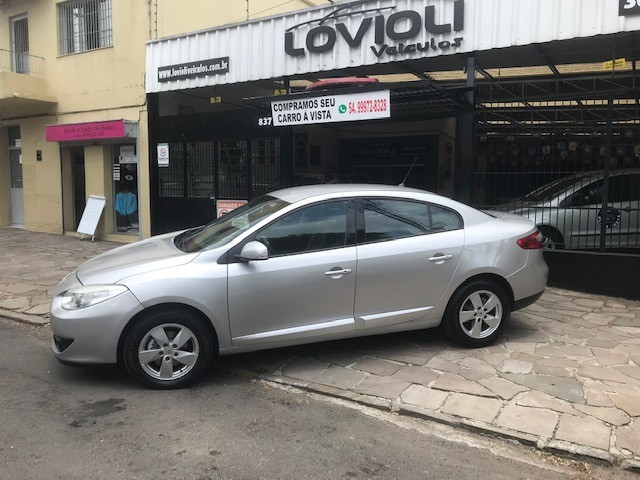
571, 208
380, 287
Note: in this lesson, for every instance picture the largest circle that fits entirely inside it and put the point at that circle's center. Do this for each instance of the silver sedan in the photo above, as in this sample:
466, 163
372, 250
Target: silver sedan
300, 265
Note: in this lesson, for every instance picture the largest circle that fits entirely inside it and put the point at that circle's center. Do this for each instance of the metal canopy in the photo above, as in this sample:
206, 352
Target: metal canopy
419, 100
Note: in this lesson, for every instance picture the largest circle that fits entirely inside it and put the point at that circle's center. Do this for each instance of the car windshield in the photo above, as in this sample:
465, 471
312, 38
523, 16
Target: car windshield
224, 229
551, 190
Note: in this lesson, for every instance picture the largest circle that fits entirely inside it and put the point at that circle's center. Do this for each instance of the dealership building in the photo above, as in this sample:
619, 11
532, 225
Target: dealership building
481, 100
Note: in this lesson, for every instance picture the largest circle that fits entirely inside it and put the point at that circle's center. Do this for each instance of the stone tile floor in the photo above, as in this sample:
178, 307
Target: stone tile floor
564, 377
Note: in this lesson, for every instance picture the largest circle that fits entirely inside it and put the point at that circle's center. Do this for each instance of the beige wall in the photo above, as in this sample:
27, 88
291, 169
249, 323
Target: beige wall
97, 85
172, 18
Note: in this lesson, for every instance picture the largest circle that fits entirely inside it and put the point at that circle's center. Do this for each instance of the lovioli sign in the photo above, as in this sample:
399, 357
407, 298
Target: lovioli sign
393, 31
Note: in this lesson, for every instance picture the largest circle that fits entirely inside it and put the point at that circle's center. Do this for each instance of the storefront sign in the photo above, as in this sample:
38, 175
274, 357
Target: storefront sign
389, 26
629, 7
332, 108
202, 68
225, 206
163, 154
85, 131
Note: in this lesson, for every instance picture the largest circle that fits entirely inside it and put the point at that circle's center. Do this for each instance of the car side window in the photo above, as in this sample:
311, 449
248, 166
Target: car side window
390, 219
624, 188
590, 194
317, 227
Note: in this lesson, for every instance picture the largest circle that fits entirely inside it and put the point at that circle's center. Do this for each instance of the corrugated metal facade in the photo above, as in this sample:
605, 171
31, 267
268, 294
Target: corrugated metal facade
256, 50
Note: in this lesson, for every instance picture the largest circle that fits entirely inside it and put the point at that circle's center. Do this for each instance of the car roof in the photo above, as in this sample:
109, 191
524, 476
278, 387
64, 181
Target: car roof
296, 194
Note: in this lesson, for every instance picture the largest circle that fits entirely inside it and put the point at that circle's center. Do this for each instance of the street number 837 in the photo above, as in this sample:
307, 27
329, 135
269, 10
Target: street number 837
265, 121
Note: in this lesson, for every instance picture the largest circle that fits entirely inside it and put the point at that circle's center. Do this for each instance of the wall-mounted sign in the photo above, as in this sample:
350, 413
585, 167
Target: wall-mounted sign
163, 154
616, 64
202, 68
225, 206
85, 131
629, 7
332, 108
392, 30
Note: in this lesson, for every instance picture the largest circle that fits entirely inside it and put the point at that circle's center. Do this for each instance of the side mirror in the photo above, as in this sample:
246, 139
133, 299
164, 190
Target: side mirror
253, 251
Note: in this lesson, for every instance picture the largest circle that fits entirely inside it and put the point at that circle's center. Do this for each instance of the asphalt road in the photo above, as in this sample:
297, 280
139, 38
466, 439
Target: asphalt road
95, 423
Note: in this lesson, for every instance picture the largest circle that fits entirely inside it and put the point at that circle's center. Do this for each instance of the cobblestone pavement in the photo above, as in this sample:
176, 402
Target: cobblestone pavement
565, 377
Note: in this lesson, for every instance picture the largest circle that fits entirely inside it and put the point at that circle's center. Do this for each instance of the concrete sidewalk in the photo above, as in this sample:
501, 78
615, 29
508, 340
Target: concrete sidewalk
565, 377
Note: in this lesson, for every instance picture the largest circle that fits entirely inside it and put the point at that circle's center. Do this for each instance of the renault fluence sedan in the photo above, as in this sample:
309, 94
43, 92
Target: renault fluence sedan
304, 264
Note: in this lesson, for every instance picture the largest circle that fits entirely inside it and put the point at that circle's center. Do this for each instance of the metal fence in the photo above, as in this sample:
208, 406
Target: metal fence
11, 61
564, 153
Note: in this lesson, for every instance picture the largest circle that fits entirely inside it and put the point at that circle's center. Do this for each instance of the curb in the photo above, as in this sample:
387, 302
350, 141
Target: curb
561, 448
36, 320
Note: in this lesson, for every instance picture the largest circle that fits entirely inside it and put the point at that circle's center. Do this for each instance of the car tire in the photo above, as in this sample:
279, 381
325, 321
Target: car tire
477, 314
154, 357
553, 239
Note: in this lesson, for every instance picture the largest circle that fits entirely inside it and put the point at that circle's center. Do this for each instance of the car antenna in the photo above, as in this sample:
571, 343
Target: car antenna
409, 172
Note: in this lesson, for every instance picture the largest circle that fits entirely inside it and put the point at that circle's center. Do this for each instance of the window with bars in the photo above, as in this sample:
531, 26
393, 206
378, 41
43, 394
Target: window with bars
84, 25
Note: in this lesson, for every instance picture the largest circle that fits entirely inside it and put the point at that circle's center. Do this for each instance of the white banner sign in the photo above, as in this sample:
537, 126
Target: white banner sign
332, 108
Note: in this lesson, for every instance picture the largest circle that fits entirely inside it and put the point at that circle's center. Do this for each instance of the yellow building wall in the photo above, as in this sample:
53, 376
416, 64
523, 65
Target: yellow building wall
172, 18
96, 85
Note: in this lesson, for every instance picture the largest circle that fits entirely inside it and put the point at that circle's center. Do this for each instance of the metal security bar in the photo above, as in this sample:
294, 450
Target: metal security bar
568, 158
20, 45
171, 176
200, 165
265, 165
232, 169
84, 25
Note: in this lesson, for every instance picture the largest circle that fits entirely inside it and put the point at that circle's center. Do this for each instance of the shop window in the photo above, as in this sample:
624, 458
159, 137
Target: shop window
84, 25
125, 190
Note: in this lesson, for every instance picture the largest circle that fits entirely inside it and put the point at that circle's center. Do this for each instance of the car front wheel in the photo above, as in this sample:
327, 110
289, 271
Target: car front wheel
477, 314
168, 349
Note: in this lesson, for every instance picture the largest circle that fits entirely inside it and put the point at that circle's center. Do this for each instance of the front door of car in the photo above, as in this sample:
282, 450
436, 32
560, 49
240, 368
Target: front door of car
407, 255
306, 287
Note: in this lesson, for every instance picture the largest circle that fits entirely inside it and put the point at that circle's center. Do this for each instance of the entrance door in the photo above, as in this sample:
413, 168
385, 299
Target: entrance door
15, 176
79, 190
20, 44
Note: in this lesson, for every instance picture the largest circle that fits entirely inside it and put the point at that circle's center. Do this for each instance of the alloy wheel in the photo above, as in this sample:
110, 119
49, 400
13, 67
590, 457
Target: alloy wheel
481, 314
168, 351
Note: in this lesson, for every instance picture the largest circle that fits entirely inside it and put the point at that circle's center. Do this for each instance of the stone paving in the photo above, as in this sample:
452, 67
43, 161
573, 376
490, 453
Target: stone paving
565, 377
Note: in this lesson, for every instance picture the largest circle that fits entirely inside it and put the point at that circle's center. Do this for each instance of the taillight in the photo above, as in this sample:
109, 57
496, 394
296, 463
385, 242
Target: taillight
532, 242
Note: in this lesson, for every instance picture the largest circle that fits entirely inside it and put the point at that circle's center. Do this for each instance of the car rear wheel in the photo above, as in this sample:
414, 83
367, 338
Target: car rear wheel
553, 239
477, 314
168, 349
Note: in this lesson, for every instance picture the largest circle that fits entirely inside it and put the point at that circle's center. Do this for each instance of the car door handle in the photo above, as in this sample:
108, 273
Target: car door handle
340, 271
440, 258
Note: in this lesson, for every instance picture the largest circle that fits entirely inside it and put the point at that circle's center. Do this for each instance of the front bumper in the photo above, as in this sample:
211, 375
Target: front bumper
91, 334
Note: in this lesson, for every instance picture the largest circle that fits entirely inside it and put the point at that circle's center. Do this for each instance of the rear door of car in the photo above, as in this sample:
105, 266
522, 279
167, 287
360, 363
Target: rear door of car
306, 287
408, 252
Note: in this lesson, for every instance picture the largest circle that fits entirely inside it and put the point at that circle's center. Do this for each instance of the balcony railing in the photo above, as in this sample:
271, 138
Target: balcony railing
11, 61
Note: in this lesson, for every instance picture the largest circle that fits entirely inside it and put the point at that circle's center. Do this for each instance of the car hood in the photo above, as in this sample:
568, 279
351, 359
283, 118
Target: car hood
140, 257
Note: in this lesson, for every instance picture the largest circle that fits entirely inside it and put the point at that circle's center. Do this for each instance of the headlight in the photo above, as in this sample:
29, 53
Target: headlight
81, 297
